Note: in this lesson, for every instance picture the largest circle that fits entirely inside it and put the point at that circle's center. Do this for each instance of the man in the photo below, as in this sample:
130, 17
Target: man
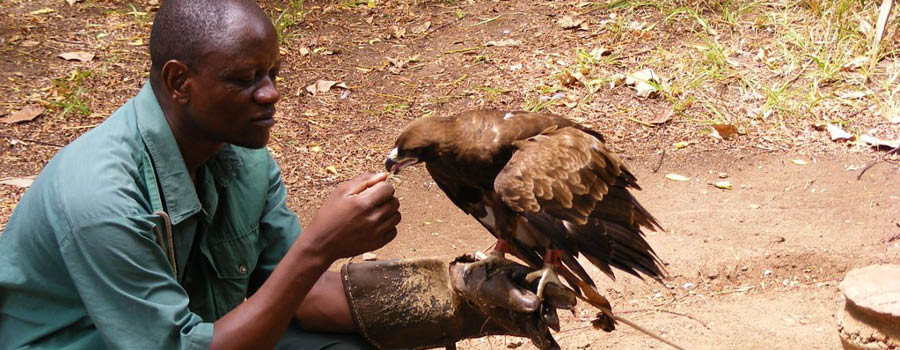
166, 226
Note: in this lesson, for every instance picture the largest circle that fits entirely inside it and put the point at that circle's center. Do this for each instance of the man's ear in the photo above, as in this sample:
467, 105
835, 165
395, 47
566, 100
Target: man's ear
176, 78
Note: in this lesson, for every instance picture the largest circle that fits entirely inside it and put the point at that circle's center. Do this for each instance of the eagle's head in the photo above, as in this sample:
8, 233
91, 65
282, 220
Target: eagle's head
424, 139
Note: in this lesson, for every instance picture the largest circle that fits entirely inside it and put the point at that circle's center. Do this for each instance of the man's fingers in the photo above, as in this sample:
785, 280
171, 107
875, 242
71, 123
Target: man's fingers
364, 181
378, 193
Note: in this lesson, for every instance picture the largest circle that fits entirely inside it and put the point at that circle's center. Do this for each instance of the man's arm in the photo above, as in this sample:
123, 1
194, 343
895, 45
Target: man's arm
359, 216
325, 308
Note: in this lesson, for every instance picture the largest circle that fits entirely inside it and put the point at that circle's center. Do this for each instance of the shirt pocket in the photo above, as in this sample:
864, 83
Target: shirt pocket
233, 260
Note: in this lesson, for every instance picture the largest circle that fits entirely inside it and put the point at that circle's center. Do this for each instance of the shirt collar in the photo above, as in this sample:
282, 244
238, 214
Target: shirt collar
178, 192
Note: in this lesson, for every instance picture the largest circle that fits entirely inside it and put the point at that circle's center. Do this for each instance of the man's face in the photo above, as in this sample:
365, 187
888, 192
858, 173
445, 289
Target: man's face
233, 91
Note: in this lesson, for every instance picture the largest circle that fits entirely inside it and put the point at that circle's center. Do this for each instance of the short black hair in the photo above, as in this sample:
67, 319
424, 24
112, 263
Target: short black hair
185, 29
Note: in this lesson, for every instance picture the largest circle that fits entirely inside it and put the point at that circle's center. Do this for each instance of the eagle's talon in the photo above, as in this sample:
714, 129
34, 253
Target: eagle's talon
487, 263
546, 275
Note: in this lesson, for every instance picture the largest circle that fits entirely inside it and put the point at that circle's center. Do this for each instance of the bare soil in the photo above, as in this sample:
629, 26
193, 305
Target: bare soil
754, 267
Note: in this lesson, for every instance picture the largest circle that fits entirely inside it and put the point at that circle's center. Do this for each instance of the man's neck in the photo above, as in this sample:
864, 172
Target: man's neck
195, 149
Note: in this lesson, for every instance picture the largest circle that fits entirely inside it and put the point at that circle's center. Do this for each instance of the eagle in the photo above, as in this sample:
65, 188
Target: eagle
547, 188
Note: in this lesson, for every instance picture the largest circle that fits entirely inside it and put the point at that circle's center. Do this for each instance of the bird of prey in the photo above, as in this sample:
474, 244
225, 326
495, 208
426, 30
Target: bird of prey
547, 188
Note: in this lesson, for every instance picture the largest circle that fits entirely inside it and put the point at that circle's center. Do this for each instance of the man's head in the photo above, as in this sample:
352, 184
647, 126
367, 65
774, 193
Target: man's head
214, 64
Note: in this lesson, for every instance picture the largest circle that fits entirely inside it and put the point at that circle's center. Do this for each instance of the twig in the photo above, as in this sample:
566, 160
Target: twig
32, 141
668, 312
739, 290
634, 54
660, 162
639, 121
662, 155
882, 159
468, 49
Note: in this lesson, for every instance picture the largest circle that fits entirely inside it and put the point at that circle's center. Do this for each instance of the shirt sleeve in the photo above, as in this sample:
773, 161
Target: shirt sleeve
127, 286
278, 226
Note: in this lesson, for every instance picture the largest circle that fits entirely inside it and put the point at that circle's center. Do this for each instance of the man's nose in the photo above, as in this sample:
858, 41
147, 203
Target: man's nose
268, 93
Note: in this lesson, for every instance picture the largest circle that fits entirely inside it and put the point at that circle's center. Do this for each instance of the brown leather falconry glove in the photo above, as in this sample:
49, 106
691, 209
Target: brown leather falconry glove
426, 303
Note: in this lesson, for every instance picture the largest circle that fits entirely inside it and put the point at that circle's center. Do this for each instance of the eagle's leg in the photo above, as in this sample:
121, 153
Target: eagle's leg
546, 274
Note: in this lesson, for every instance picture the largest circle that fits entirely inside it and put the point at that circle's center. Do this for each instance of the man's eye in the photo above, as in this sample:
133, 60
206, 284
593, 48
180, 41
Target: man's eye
244, 80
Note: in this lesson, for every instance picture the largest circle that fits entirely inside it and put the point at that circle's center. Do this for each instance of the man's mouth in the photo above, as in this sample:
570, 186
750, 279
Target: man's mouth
266, 119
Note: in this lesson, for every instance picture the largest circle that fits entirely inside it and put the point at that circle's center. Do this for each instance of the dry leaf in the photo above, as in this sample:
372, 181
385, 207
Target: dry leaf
25, 114
725, 185
683, 144
419, 29
852, 95
30, 43
723, 131
878, 142
865, 27
369, 257
324, 86
21, 182
567, 22
77, 56
799, 161
304, 51
676, 177
642, 81
599, 52
504, 43
855, 63
567, 79
43, 11
837, 133
315, 148
399, 32
662, 117
331, 169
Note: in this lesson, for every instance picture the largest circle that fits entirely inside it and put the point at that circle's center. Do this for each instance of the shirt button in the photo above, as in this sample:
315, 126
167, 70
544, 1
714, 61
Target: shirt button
243, 268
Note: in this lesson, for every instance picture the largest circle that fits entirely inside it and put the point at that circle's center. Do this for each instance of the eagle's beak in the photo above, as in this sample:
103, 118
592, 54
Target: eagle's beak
389, 165
394, 165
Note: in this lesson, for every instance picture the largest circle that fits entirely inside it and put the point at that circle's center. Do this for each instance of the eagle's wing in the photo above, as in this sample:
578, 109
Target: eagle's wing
570, 187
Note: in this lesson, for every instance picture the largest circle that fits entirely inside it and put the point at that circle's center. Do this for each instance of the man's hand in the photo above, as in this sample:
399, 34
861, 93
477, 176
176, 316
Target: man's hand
500, 292
359, 216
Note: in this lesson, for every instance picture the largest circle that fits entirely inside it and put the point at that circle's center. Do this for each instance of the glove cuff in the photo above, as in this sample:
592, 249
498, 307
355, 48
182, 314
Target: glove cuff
406, 304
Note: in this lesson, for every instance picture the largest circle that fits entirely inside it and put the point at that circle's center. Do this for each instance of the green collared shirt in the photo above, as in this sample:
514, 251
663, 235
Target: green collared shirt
81, 265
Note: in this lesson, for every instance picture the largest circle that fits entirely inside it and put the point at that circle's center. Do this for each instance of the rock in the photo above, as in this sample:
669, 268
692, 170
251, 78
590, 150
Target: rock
870, 318
369, 257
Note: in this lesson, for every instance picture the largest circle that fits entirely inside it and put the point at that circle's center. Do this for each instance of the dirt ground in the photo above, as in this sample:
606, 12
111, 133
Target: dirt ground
753, 267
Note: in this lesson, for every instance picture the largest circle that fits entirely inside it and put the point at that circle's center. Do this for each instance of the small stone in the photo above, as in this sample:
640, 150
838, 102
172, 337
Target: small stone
767, 272
369, 256
754, 206
778, 239
723, 175
688, 285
